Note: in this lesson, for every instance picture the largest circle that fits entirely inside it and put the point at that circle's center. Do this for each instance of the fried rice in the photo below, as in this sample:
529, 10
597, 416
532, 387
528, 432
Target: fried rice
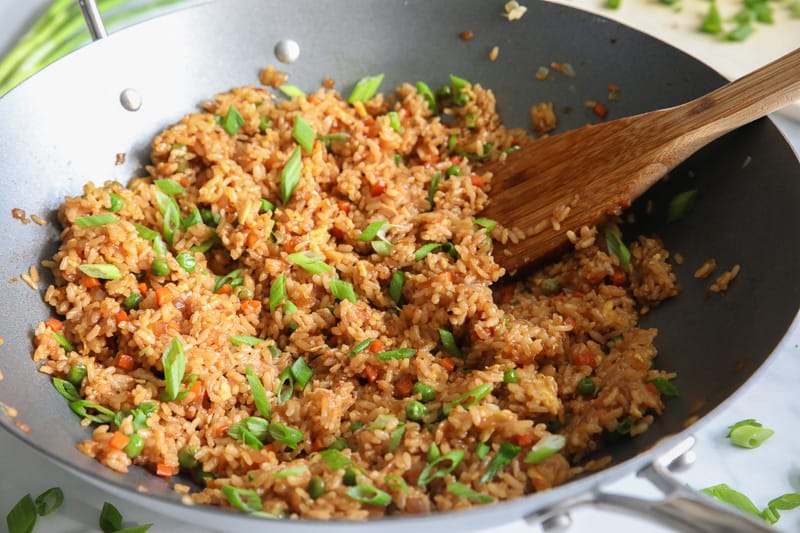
428, 387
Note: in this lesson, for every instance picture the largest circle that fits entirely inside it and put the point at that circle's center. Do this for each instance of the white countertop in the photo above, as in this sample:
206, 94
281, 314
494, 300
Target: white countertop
763, 473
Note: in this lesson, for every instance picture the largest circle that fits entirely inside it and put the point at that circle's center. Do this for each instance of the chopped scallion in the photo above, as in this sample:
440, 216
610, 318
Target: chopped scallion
174, 363
116, 203
91, 221
369, 495
371, 231
396, 285
246, 340
246, 500
469, 398
502, 458
277, 292
303, 133
439, 468
49, 501
547, 446
290, 175
365, 88
432, 188
289, 472
309, 262
63, 342
617, 248
665, 386
292, 91
427, 95
170, 187
681, 205
302, 372
233, 278
282, 433
399, 353
360, 347
394, 121
342, 290
463, 491
449, 342
100, 271
232, 121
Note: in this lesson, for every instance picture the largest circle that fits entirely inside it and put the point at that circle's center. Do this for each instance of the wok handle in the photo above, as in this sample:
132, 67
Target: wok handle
93, 19
682, 508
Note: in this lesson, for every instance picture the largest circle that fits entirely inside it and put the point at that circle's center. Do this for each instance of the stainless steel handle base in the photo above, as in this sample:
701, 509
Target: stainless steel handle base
681, 508
93, 19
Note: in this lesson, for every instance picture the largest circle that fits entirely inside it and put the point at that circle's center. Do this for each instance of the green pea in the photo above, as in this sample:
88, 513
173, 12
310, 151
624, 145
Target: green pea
134, 446
116, 202
550, 286
132, 301
416, 410
187, 261
187, 459
453, 170
76, 374
587, 387
460, 99
243, 293
510, 376
444, 91
316, 487
350, 478
159, 267
426, 392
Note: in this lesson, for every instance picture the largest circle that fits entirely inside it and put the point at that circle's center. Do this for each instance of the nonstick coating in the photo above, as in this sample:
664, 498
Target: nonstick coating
66, 125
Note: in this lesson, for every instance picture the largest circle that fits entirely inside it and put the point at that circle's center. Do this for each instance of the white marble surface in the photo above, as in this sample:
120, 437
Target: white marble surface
763, 473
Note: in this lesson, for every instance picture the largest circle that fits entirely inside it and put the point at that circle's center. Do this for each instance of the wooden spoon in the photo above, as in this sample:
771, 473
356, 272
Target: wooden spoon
598, 170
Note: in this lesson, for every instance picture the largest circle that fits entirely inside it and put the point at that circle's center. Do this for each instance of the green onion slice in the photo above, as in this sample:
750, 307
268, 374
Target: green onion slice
174, 362
192, 219
91, 221
63, 342
502, 458
427, 95
442, 466
396, 482
292, 91
186, 261
80, 408
459, 84
266, 205
116, 203
246, 500
232, 121
301, 372
396, 285
665, 386
399, 353
145, 232
303, 133
335, 459
469, 398
432, 188
110, 518
394, 121
277, 292
233, 278
365, 88
749, 435
100, 271
712, 23
785, 502
285, 385
49, 501
463, 491
170, 187
342, 290
487, 223
259, 394
290, 175
171, 213
361, 346
449, 343
66, 389
251, 431
726, 494
396, 436
22, 517
369, 495
246, 340
482, 450
617, 248
547, 446
681, 204
371, 231
311, 263
423, 251
285, 434
205, 246
289, 472
382, 247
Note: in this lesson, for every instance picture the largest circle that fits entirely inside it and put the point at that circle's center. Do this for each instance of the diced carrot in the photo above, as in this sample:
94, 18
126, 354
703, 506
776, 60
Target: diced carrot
378, 188
371, 373
403, 386
476, 180
194, 394
121, 316
118, 440
369, 122
523, 439
337, 232
585, 359
252, 239
312, 98
125, 361
599, 110
54, 324
164, 470
317, 445
89, 282
539, 484
225, 289
344, 205
163, 296
250, 306
142, 288
619, 277
447, 363
376, 346
652, 389
506, 293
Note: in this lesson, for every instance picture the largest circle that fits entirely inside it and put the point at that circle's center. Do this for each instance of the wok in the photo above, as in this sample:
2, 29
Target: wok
66, 125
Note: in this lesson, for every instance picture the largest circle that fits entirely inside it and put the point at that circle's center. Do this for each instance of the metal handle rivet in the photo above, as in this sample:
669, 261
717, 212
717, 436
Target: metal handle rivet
556, 523
287, 51
130, 99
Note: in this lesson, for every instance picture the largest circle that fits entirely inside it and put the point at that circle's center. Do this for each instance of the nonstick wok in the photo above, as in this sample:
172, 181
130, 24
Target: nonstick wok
66, 126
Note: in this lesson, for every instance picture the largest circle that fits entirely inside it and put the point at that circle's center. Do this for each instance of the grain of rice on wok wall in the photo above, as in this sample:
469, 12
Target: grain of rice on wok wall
302, 371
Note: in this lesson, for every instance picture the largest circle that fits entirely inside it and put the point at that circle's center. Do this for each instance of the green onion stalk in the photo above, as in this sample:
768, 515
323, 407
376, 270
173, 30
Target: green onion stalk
59, 31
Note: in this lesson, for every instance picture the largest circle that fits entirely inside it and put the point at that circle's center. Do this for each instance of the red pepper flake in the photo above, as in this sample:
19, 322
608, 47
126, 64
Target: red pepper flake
378, 188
